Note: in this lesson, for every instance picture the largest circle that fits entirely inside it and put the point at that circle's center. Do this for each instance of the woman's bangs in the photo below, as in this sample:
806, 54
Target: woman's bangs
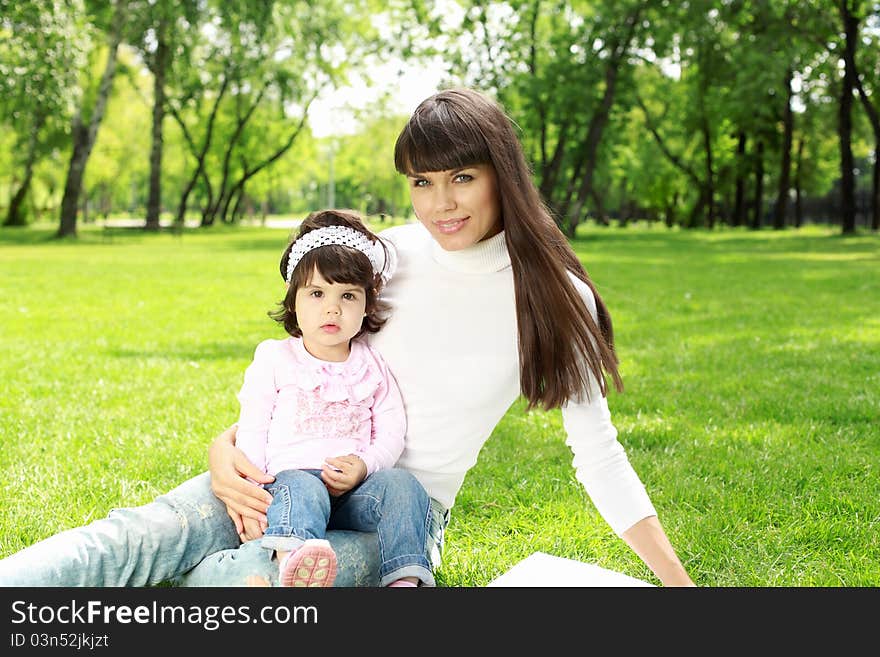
434, 144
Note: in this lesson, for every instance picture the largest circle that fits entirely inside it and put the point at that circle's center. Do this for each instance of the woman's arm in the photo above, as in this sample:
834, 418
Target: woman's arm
649, 541
230, 469
602, 466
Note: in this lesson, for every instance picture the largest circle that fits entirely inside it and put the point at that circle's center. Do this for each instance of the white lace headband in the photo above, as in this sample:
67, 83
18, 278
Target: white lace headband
341, 235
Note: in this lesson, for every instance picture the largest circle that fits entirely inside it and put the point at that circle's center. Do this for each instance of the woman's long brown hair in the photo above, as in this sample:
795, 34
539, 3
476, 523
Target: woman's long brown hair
560, 346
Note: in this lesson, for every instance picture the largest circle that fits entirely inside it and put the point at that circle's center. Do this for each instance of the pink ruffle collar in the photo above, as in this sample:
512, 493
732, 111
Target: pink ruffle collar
352, 379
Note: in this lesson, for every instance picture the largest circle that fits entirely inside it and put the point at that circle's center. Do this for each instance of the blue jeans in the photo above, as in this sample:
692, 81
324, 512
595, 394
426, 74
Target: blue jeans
391, 503
183, 537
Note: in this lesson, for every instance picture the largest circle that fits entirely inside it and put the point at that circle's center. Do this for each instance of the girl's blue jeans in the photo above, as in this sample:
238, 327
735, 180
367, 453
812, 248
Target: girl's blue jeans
186, 538
391, 503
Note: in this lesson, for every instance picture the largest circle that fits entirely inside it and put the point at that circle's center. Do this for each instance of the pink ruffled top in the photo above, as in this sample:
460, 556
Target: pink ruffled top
297, 410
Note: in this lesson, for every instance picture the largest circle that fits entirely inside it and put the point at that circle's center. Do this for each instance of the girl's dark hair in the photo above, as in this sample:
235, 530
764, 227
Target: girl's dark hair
560, 345
337, 264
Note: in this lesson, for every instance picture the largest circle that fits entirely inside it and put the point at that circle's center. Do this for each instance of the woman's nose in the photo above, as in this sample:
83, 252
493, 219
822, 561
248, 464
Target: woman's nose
445, 198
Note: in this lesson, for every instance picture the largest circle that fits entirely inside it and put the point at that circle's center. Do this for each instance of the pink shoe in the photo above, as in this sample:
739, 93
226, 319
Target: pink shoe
313, 564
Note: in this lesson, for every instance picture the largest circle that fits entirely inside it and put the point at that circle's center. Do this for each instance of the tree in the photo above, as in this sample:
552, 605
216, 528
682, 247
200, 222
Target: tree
850, 23
40, 54
158, 29
244, 99
85, 129
557, 66
868, 86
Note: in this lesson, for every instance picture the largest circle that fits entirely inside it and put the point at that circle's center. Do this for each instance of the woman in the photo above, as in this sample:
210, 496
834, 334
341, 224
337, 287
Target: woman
488, 302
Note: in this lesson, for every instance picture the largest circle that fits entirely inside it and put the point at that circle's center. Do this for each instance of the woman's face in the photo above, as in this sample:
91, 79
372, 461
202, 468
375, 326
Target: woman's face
459, 207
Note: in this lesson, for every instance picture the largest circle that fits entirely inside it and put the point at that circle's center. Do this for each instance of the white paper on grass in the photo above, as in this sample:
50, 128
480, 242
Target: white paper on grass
540, 569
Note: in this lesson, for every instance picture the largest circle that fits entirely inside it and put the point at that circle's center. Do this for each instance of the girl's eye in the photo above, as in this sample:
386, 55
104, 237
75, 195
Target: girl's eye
317, 294
349, 296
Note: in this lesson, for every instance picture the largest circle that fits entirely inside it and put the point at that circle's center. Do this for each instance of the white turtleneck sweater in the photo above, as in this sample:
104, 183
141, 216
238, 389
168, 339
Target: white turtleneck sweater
451, 343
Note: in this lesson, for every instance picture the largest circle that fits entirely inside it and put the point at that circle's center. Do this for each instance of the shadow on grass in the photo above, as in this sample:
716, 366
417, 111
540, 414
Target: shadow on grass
24, 236
231, 238
201, 351
733, 240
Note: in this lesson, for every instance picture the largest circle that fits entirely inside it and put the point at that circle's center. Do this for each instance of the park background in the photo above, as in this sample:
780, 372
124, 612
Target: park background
714, 164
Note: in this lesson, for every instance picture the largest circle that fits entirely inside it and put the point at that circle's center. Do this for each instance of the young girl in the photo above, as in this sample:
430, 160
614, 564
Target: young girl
321, 412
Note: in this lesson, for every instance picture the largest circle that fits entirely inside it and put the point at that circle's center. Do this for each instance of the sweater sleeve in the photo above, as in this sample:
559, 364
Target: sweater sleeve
257, 398
600, 462
388, 422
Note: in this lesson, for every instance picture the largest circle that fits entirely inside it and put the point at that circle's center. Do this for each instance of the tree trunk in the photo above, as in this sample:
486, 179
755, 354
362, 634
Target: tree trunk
84, 136
739, 205
550, 172
710, 171
670, 214
875, 189
565, 203
73, 182
874, 118
238, 188
678, 162
198, 153
757, 218
160, 63
591, 144
623, 213
601, 216
785, 170
798, 207
224, 193
844, 126
600, 118
15, 216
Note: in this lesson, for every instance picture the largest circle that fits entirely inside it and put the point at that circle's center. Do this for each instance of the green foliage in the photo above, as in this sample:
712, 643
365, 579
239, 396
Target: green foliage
750, 361
705, 71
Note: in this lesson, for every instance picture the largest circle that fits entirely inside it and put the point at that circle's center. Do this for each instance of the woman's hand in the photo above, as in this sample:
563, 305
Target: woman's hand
342, 473
649, 541
246, 503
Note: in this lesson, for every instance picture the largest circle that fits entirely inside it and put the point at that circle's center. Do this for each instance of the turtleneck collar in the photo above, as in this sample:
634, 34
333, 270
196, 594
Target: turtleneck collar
482, 258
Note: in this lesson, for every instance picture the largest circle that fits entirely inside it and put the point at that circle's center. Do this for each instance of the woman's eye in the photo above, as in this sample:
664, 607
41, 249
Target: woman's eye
419, 182
463, 177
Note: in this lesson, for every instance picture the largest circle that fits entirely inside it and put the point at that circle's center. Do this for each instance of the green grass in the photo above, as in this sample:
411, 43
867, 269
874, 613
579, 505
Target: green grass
752, 407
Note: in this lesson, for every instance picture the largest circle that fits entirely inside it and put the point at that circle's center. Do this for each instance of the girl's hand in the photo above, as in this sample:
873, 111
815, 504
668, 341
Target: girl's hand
342, 473
252, 529
229, 471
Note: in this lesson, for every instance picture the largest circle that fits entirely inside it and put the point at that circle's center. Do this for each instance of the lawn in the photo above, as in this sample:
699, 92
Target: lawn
752, 405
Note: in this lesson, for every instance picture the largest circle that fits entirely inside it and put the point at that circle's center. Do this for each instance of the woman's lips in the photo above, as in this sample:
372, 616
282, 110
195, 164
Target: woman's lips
450, 226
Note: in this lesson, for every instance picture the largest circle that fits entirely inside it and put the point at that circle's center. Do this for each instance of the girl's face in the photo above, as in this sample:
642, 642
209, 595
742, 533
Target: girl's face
329, 315
459, 207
